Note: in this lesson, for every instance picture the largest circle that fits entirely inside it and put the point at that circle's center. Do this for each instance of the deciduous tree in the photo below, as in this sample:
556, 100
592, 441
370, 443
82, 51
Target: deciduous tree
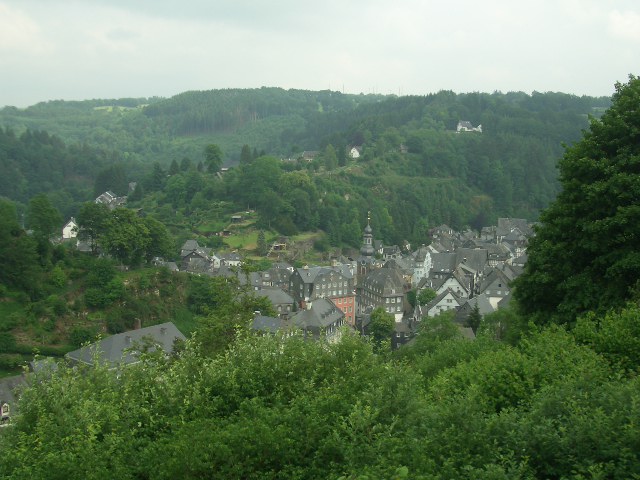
586, 252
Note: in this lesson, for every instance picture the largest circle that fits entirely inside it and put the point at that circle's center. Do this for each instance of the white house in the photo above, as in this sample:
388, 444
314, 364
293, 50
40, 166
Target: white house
447, 300
354, 152
70, 229
465, 126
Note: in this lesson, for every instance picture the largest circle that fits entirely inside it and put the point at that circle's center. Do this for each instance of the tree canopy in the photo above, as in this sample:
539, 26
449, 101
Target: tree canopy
586, 252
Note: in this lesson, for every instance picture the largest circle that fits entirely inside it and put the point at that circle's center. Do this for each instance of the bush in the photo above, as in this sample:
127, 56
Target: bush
79, 336
11, 321
95, 298
10, 361
7, 342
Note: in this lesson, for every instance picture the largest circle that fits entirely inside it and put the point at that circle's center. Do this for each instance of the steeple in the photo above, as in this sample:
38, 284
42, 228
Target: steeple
367, 250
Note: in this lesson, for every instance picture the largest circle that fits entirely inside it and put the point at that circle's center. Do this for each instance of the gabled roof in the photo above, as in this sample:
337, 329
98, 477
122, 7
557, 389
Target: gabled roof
505, 225
494, 276
320, 314
313, 274
443, 262
441, 297
276, 295
266, 324
484, 306
475, 258
387, 280
120, 348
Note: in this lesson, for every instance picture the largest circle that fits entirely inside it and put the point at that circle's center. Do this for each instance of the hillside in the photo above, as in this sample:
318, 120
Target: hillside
409, 148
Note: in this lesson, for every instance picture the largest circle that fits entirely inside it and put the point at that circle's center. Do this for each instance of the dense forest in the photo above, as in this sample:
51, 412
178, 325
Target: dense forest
548, 389
413, 171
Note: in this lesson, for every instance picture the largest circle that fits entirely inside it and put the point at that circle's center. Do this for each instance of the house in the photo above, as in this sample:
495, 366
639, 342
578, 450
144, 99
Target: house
445, 301
195, 258
125, 348
392, 252
466, 126
309, 155
110, 199
507, 225
495, 286
270, 325
230, 259
383, 287
421, 264
354, 152
282, 302
484, 307
336, 283
70, 229
455, 281
320, 320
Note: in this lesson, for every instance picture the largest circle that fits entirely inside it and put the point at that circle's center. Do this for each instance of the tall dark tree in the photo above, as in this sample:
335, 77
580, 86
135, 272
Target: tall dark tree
586, 252
92, 220
213, 157
174, 168
18, 257
245, 155
45, 220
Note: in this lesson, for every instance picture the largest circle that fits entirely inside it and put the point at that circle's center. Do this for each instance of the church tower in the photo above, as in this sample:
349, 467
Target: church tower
365, 261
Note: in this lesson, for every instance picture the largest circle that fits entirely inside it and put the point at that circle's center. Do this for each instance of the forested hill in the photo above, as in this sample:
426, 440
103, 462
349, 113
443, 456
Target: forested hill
508, 169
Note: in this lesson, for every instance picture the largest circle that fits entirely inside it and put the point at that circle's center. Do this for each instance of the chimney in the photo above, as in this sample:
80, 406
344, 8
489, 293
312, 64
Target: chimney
137, 324
308, 305
163, 330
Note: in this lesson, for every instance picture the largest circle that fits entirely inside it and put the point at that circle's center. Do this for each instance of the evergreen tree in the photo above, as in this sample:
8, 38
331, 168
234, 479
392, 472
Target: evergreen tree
330, 159
474, 319
174, 168
245, 155
262, 244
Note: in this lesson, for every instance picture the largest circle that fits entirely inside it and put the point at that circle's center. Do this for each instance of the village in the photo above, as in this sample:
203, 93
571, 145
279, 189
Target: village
464, 270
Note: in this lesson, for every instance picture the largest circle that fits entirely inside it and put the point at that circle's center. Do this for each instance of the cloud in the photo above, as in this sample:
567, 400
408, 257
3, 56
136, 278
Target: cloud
625, 25
19, 33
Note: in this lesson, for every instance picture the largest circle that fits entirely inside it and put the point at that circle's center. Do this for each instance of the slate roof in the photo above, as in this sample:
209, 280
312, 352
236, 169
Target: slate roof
113, 349
276, 296
505, 225
321, 314
386, 280
475, 258
265, 324
443, 262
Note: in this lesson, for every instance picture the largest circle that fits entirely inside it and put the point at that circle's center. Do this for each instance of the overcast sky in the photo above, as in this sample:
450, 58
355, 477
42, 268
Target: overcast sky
83, 49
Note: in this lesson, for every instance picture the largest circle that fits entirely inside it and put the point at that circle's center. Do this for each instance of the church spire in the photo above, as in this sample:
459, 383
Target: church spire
367, 239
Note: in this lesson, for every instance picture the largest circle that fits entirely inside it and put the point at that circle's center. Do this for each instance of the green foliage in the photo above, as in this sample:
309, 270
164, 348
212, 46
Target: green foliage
213, 157
425, 295
273, 407
262, 244
585, 253
126, 237
382, 325
7, 342
616, 335
474, 319
92, 223
19, 265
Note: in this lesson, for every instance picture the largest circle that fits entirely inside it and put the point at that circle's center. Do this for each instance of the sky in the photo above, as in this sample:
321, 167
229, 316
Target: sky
86, 49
